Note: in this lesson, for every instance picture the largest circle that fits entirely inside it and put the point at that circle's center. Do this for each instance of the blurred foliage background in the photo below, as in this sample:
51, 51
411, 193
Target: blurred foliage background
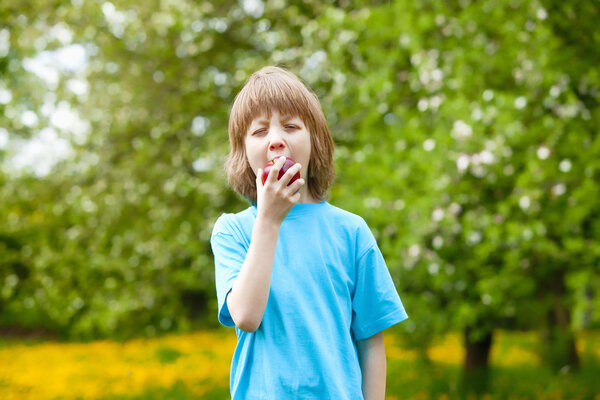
465, 132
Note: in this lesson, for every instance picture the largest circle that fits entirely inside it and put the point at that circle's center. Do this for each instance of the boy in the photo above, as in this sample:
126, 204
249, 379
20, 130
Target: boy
303, 282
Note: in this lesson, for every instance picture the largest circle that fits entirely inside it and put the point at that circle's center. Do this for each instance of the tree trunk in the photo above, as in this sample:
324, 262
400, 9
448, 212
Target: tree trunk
561, 353
476, 367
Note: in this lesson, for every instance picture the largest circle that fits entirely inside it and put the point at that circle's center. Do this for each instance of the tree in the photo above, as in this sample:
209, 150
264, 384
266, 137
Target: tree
473, 109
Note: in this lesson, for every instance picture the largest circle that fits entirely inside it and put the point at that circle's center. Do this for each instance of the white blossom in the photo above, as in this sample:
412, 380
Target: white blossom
565, 165
461, 130
486, 157
414, 250
437, 214
429, 144
543, 152
524, 202
559, 189
520, 102
462, 163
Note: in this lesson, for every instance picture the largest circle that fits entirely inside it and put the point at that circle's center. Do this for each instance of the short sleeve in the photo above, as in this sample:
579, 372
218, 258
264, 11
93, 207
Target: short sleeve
376, 304
229, 254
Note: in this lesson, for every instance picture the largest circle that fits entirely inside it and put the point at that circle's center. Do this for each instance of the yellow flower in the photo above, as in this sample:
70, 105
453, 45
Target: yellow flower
93, 370
448, 351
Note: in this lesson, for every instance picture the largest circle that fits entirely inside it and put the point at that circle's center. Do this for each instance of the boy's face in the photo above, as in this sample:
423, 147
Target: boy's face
278, 136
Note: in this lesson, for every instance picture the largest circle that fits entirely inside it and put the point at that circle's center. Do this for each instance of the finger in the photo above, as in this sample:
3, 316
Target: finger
274, 172
295, 198
259, 178
289, 174
296, 186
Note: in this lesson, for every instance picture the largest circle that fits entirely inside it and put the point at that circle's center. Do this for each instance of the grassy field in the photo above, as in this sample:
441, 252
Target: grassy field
196, 366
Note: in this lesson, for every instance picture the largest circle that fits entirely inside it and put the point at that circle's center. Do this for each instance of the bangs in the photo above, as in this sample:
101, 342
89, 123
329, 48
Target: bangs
286, 102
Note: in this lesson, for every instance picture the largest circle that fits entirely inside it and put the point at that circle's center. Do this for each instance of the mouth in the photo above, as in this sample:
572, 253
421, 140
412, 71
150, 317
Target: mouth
276, 156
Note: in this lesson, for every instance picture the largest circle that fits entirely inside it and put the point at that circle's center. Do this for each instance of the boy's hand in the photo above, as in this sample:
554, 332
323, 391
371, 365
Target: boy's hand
275, 198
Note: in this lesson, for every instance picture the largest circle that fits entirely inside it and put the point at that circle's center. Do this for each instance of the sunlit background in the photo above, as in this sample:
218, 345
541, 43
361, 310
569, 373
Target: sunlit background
466, 136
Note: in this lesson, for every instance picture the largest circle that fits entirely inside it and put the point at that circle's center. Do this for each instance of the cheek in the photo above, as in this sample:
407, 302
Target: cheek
253, 156
306, 155
308, 148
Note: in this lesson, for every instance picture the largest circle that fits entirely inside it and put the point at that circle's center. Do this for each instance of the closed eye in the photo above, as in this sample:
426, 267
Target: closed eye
259, 131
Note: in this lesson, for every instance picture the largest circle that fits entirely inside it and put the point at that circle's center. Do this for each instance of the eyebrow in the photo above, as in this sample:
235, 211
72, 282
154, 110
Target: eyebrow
284, 118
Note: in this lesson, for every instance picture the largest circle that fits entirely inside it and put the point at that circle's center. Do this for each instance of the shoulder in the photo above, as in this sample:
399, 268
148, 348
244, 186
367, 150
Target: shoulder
345, 218
229, 223
353, 224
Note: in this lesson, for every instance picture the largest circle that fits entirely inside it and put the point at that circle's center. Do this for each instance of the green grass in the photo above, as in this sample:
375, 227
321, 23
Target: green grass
444, 381
179, 391
167, 354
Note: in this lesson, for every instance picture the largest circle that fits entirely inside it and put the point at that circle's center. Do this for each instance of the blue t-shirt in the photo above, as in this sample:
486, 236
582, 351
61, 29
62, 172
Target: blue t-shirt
330, 286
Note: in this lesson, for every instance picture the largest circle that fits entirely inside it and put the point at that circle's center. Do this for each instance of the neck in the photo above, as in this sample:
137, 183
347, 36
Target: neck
306, 196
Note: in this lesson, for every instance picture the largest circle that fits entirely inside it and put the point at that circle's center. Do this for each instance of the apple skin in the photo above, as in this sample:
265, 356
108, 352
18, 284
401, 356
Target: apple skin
288, 163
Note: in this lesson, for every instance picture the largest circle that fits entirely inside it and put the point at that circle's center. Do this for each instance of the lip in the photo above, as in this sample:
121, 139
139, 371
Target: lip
277, 155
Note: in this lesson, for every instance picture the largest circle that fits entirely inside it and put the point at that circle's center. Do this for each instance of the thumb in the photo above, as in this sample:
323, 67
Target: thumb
259, 178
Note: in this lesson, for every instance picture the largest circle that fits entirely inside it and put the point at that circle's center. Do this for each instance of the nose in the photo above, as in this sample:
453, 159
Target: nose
275, 140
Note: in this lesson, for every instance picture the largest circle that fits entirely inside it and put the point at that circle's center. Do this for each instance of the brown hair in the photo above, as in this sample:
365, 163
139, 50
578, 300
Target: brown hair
274, 88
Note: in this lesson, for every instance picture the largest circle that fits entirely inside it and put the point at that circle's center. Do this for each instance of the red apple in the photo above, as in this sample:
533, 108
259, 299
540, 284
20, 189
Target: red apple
288, 163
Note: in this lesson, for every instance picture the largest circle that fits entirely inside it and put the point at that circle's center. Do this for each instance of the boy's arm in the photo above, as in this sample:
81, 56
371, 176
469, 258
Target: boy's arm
248, 297
371, 355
